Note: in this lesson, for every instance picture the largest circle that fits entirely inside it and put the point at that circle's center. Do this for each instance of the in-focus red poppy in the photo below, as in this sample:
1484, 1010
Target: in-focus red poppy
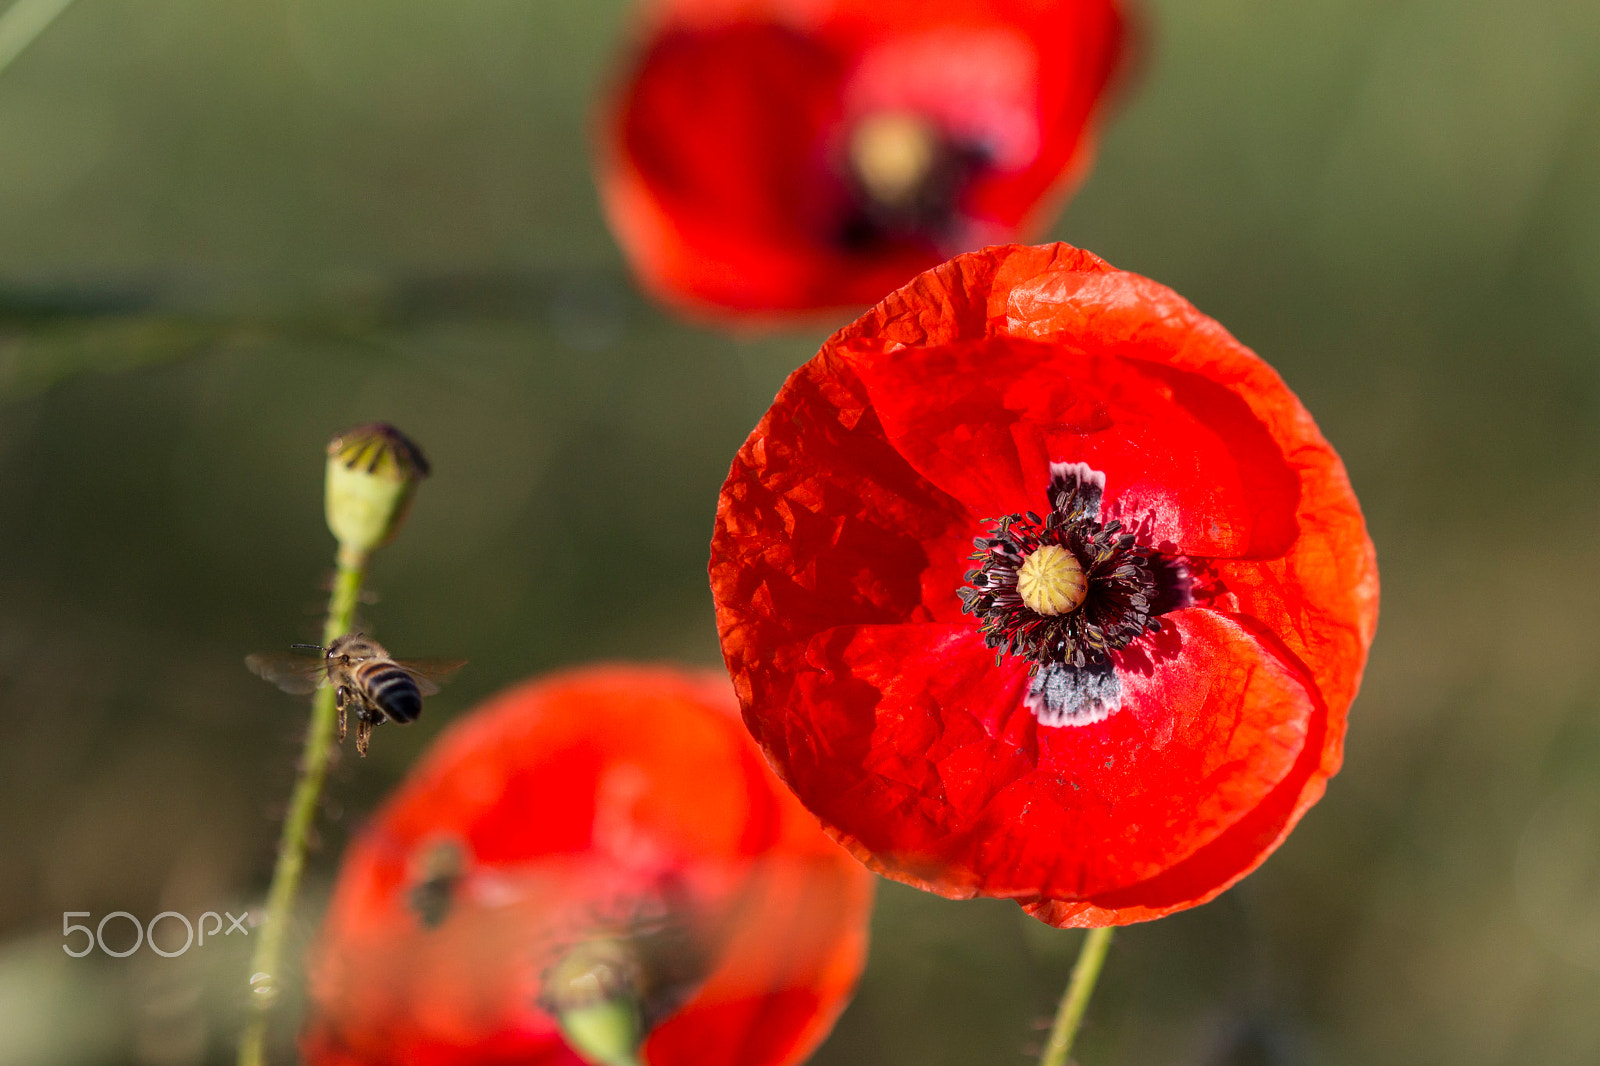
605, 840
1035, 583
775, 156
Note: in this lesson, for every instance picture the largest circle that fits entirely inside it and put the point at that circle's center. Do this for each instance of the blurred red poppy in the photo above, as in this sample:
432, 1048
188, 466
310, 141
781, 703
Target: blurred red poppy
771, 156
616, 814
1128, 694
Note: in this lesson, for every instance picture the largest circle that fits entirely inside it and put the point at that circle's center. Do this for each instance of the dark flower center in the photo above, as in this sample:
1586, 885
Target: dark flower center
1063, 590
907, 176
440, 870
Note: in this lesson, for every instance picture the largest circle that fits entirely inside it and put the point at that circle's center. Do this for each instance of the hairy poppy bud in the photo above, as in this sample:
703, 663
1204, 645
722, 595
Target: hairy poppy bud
372, 472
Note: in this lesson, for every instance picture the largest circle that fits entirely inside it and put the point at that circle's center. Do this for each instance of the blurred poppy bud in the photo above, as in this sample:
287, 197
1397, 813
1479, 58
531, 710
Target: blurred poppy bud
372, 472
594, 868
593, 992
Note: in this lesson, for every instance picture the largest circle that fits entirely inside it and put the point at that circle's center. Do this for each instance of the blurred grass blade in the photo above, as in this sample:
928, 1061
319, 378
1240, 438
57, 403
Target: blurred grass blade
35, 359
24, 21
49, 334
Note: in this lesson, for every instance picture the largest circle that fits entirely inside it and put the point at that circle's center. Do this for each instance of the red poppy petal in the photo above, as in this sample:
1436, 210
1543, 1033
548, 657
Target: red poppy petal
823, 522
758, 82
1321, 598
1213, 869
910, 743
1322, 594
800, 942
1184, 460
719, 181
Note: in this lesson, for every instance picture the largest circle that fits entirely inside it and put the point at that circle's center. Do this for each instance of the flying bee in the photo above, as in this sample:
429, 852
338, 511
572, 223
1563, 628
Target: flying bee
365, 680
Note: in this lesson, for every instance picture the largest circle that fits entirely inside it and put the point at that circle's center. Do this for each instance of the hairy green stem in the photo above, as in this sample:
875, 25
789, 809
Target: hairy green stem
265, 968
1076, 998
22, 22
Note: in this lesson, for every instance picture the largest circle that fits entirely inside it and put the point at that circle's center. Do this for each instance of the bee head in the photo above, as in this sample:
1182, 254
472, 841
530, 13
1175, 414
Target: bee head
356, 647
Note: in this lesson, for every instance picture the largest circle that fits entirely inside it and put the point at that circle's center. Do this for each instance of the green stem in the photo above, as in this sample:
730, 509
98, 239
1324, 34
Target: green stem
266, 979
1076, 998
23, 21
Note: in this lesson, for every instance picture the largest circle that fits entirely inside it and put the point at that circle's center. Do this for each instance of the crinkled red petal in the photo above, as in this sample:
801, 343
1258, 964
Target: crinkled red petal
1185, 462
1320, 596
916, 750
823, 523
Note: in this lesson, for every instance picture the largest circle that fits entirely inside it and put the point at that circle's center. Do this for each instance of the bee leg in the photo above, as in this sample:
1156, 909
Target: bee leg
363, 732
342, 703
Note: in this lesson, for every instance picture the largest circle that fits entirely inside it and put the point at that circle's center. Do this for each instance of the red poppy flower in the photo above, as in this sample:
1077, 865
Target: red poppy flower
1132, 688
785, 155
611, 828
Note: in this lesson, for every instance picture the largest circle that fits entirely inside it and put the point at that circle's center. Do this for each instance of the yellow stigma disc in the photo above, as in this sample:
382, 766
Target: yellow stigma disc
1051, 582
892, 154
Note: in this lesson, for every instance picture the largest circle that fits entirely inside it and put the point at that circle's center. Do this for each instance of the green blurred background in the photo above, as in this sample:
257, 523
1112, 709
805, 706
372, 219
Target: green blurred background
228, 230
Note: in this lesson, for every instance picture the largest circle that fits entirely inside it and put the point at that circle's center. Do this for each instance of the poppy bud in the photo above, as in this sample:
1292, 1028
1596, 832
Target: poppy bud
606, 1034
593, 992
373, 471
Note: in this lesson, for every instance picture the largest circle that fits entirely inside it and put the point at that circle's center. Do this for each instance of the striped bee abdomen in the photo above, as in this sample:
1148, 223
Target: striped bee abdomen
390, 688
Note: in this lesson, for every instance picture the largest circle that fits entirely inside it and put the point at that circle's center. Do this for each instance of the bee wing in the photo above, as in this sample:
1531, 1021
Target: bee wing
297, 674
429, 674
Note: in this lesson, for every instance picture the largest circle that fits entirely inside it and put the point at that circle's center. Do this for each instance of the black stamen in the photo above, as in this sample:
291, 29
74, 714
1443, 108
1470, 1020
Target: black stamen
1127, 586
